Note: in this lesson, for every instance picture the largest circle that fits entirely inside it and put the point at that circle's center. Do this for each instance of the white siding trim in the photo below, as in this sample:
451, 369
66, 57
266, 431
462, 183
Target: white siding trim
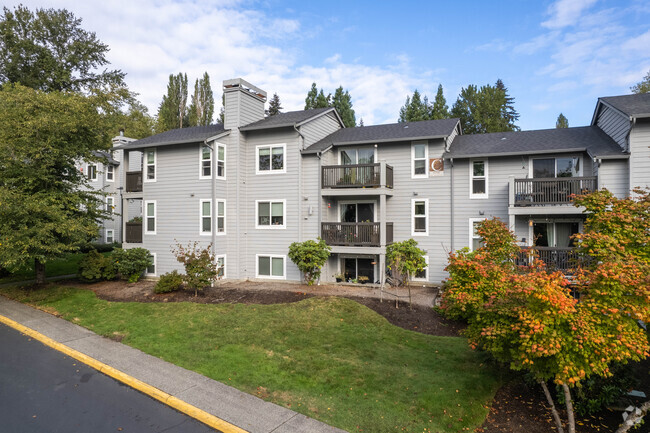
271, 257
271, 226
426, 160
426, 215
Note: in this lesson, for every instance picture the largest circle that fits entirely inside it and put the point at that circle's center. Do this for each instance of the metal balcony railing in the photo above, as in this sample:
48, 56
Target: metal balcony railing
355, 176
134, 181
551, 191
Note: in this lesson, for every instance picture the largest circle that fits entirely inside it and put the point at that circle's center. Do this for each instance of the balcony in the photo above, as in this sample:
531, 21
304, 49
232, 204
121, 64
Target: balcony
355, 234
556, 259
133, 233
357, 176
551, 191
134, 181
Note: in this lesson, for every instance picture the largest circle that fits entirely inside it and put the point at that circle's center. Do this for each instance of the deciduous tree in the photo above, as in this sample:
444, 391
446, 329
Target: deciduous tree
172, 112
488, 109
642, 86
562, 122
309, 256
201, 108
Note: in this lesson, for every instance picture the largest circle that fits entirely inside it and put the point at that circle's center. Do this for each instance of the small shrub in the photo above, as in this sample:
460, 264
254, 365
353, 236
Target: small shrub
200, 265
169, 282
309, 256
100, 248
95, 267
131, 263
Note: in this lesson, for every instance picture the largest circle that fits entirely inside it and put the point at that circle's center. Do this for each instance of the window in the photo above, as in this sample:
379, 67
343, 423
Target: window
206, 217
478, 172
556, 167
206, 162
270, 159
271, 266
423, 275
475, 241
110, 173
221, 160
150, 217
151, 270
110, 238
419, 217
270, 214
419, 154
221, 266
150, 162
357, 156
92, 172
110, 205
221, 217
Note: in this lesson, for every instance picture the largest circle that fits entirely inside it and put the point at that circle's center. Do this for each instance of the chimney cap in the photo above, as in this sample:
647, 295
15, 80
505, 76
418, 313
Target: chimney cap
244, 86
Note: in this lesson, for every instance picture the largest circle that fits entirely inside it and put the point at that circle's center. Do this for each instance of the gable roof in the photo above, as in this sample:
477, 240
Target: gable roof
106, 156
422, 130
589, 139
635, 105
289, 119
194, 134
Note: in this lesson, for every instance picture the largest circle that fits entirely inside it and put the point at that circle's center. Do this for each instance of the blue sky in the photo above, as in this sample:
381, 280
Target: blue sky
554, 56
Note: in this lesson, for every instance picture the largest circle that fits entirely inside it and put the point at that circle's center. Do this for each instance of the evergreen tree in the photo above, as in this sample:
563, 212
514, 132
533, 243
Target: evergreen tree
465, 109
222, 111
488, 109
343, 104
414, 109
202, 106
323, 101
642, 86
310, 100
274, 105
562, 121
361, 122
172, 112
508, 112
439, 109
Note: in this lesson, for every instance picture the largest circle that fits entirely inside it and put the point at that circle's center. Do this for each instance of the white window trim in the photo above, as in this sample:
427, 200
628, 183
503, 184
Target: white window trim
110, 208
426, 214
216, 216
201, 176
426, 160
146, 217
155, 267
358, 148
426, 271
106, 235
201, 232
271, 257
216, 160
225, 266
92, 179
555, 157
471, 178
271, 171
271, 226
471, 231
110, 169
146, 165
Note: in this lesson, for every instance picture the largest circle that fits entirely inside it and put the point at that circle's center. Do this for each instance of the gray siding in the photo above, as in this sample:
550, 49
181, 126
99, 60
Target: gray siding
241, 108
640, 154
613, 174
614, 124
319, 128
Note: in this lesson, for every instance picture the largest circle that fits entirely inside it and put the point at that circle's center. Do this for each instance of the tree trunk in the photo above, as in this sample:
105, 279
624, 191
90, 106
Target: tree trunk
39, 269
631, 420
556, 416
569, 408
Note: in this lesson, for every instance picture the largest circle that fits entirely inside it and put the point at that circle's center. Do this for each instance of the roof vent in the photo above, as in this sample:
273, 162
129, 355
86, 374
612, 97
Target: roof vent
503, 138
406, 126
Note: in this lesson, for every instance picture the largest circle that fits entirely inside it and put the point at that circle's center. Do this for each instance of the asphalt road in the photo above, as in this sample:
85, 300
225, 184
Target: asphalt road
45, 391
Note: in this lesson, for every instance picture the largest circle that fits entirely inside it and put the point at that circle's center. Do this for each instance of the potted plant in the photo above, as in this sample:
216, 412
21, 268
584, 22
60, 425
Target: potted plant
363, 279
339, 277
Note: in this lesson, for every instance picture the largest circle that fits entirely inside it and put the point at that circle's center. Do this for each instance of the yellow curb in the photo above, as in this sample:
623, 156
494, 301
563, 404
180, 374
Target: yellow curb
131, 381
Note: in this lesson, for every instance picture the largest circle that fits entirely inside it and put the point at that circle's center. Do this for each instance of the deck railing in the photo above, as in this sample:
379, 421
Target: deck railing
556, 259
134, 181
352, 234
133, 233
355, 176
551, 191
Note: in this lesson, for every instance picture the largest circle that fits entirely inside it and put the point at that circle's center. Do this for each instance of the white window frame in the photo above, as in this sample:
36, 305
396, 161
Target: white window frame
147, 164
225, 211
112, 232
110, 204
357, 149
426, 160
146, 217
201, 160
271, 226
426, 216
216, 166
426, 271
472, 177
201, 216
110, 173
555, 157
471, 231
271, 257
95, 177
271, 170
155, 267
225, 266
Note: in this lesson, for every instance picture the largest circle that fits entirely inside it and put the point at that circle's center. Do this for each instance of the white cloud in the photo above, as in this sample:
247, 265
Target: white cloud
565, 13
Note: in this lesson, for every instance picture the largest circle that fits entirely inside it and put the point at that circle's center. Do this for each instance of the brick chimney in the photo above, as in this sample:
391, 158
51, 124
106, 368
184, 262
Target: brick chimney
244, 103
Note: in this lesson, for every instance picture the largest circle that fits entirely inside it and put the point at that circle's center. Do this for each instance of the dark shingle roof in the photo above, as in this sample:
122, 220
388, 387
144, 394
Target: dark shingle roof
283, 120
586, 138
637, 105
385, 133
194, 134
107, 156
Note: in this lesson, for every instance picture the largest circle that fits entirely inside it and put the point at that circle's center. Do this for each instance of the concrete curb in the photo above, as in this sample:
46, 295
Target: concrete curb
145, 388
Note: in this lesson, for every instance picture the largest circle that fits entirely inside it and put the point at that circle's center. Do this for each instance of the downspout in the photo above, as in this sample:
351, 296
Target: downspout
300, 148
451, 200
213, 201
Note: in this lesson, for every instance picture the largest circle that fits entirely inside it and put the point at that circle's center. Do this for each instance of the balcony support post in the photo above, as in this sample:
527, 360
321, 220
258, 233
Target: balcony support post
382, 173
125, 204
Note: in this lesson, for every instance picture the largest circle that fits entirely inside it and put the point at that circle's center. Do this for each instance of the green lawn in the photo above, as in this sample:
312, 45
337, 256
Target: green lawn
328, 358
64, 266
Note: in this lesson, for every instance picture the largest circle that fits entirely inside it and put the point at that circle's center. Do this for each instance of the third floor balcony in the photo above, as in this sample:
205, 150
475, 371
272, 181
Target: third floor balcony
355, 179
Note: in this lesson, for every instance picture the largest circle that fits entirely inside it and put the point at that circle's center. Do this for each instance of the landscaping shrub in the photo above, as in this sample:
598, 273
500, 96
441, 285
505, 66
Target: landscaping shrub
131, 263
100, 248
169, 282
309, 256
200, 265
95, 267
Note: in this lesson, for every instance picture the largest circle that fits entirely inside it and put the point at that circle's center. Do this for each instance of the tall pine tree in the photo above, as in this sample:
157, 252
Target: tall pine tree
439, 109
172, 112
562, 121
343, 104
274, 105
414, 109
310, 100
201, 108
488, 109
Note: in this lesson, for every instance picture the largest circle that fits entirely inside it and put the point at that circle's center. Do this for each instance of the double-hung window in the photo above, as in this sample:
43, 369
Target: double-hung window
221, 266
221, 160
270, 214
110, 205
110, 237
206, 217
150, 164
221, 217
419, 217
423, 275
269, 266
92, 172
150, 217
478, 182
271, 159
110, 173
419, 156
206, 162
151, 269
475, 240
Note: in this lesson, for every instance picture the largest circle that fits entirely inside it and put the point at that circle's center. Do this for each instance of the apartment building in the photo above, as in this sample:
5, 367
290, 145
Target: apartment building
254, 185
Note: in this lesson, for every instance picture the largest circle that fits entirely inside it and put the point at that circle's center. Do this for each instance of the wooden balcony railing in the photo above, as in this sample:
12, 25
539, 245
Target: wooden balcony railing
353, 234
134, 181
556, 259
133, 233
355, 176
551, 191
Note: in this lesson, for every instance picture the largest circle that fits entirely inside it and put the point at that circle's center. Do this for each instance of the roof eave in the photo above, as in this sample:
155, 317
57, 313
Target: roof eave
218, 136
447, 155
320, 115
131, 146
389, 140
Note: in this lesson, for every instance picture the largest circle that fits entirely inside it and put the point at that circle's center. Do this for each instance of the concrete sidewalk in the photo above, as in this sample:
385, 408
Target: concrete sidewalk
238, 408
